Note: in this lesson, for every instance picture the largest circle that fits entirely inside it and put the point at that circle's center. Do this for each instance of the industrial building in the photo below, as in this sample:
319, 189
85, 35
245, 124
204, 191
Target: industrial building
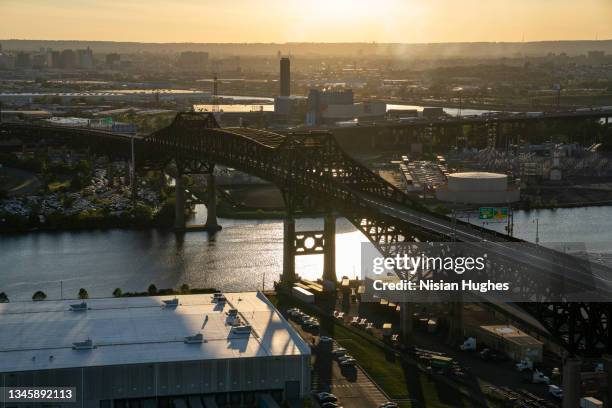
477, 188
329, 106
517, 345
150, 351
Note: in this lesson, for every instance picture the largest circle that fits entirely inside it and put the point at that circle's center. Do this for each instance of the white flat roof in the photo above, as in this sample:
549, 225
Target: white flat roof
478, 175
40, 335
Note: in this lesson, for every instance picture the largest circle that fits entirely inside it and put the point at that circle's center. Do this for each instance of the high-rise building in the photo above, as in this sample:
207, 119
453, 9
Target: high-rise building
39, 61
68, 59
285, 77
23, 60
56, 59
7, 61
85, 58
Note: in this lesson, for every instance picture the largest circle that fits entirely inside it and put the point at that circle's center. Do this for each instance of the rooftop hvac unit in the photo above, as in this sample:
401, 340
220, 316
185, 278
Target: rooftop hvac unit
79, 307
171, 303
195, 339
83, 345
243, 329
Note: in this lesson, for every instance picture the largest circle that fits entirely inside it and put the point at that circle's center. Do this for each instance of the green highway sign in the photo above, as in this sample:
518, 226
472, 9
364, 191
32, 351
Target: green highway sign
493, 213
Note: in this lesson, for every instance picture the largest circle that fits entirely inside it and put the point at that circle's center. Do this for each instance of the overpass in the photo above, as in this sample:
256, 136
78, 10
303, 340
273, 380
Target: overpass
311, 170
503, 117
495, 129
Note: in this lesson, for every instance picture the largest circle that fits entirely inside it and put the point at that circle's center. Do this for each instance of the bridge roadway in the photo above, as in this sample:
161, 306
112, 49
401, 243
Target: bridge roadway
537, 257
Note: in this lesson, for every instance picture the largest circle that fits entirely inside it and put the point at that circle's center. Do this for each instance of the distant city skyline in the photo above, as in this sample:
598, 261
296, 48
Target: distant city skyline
397, 21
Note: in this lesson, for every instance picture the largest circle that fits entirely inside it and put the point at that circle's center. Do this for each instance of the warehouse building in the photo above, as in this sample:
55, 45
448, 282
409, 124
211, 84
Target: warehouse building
156, 351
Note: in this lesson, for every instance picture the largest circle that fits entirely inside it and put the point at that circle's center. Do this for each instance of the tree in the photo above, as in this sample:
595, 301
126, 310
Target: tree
3, 298
39, 295
152, 290
117, 292
184, 288
83, 294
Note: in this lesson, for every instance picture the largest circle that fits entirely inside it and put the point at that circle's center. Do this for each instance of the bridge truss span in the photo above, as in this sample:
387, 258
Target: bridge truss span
311, 169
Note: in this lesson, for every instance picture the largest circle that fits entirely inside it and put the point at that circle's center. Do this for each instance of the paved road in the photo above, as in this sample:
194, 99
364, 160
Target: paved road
352, 386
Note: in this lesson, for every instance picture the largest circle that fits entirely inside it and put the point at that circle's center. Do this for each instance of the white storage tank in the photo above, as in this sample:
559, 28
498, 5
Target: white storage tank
478, 188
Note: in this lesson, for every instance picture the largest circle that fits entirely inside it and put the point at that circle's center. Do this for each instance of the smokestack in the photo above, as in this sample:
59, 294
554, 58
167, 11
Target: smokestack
285, 77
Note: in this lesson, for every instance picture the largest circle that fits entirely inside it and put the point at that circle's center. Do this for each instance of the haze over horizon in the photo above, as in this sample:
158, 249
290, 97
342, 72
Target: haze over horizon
272, 21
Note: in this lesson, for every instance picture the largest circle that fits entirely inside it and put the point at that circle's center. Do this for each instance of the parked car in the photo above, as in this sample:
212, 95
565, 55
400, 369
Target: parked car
321, 395
555, 391
325, 339
344, 357
328, 398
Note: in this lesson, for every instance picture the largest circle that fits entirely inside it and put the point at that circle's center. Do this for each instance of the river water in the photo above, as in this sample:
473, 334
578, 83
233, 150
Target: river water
245, 255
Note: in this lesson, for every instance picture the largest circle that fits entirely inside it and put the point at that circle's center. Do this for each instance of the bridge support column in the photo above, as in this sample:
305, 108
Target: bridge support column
211, 205
455, 327
407, 322
179, 209
329, 249
607, 358
288, 277
571, 382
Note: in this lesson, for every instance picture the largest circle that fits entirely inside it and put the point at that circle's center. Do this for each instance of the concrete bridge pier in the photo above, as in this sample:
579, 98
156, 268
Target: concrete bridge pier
571, 382
607, 358
179, 208
407, 322
455, 327
329, 249
211, 225
288, 277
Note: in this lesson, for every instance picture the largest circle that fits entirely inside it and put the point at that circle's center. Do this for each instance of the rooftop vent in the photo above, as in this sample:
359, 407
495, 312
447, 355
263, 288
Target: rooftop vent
83, 345
171, 303
195, 339
79, 307
242, 329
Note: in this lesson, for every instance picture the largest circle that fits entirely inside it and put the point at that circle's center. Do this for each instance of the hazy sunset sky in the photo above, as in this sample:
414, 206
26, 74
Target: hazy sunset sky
408, 21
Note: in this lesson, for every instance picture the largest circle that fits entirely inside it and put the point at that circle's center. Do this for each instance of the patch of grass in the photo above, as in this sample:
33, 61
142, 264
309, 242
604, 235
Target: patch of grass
398, 378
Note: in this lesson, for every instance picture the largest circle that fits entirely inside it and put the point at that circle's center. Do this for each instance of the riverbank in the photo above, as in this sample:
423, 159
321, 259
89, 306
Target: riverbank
140, 217
566, 195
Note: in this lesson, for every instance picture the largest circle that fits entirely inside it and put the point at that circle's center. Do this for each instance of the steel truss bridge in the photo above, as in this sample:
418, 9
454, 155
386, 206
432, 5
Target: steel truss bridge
311, 170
